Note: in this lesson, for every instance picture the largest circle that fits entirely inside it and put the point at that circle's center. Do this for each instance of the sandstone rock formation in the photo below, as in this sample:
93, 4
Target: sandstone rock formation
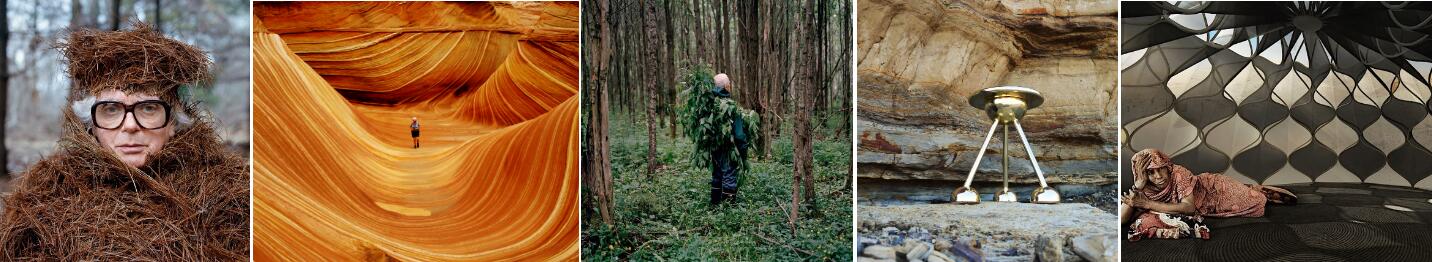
336, 176
919, 61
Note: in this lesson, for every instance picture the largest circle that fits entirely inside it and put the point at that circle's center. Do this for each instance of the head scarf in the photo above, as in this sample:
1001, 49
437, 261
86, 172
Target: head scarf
1149, 159
1176, 186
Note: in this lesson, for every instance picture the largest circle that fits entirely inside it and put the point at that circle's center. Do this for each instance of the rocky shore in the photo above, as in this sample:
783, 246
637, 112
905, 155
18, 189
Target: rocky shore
989, 231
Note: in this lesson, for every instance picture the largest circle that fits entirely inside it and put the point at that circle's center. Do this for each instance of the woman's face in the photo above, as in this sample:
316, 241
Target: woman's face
1158, 177
130, 142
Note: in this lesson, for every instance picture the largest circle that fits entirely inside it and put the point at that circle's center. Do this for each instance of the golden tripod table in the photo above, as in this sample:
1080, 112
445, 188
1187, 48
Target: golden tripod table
1006, 105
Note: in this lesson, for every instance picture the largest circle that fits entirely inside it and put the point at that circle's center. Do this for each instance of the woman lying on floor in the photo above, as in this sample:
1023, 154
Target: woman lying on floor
1168, 201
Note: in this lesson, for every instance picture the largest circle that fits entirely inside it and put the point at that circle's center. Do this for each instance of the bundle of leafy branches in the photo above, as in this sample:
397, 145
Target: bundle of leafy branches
707, 119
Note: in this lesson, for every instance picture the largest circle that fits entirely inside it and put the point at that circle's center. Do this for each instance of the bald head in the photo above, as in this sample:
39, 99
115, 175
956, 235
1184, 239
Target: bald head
723, 81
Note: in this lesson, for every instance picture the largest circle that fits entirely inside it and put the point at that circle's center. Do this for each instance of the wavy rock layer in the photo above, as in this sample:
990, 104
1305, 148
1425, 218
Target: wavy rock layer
920, 61
494, 87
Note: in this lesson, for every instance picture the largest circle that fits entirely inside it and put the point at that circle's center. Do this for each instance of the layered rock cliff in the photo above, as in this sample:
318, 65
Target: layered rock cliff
919, 61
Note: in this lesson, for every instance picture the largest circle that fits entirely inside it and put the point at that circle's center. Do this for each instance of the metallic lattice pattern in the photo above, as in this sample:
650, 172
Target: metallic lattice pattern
1281, 92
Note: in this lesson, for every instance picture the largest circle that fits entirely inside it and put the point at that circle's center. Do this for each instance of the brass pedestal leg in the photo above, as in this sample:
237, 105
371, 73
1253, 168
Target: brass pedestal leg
967, 194
1044, 194
1006, 105
1004, 195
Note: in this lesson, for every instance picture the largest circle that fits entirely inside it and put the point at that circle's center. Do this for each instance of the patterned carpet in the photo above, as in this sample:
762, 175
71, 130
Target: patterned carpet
1332, 222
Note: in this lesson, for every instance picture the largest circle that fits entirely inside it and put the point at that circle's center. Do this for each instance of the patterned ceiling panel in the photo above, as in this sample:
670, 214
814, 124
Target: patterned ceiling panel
1281, 92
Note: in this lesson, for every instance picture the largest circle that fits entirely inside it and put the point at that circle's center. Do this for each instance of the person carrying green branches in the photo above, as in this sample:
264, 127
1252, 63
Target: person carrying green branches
719, 129
723, 168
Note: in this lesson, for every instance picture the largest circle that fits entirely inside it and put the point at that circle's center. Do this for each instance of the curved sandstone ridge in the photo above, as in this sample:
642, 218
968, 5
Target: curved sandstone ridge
392, 52
919, 61
494, 86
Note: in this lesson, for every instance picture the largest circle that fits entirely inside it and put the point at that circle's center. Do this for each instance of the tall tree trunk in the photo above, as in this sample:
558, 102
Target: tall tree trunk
92, 14
597, 164
810, 79
749, 48
77, 14
725, 36
668, 79
819, 83
778, 33
4, 82
114, 15
650, 77
688, 34
847, 33
700, 34
788, 67
848, 11
763, 69
626, 62
798, 161
159, 15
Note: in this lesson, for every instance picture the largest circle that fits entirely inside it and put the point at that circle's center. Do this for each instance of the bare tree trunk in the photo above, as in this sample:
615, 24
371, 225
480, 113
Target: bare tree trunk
820, 82
650, 78
763, 72
725, 36
848, 11
77, 16
114, 14
597, 164
688, 34
788, 69
92, 14
700, 33
668, 78
777, 33
4, 82
749, 48
799, 165
810, 78
159, 15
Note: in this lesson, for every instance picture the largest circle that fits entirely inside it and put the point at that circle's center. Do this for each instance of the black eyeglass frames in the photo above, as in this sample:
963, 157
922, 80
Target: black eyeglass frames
149, 114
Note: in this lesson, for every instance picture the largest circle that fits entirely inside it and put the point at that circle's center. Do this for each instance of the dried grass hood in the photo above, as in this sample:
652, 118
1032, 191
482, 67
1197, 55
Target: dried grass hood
188, 202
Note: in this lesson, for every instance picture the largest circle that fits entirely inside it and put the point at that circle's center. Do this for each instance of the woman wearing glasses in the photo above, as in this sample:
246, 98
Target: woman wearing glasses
133, 126
139, 172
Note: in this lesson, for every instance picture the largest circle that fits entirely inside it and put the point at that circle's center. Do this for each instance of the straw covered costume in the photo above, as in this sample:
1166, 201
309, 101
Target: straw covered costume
188, 202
